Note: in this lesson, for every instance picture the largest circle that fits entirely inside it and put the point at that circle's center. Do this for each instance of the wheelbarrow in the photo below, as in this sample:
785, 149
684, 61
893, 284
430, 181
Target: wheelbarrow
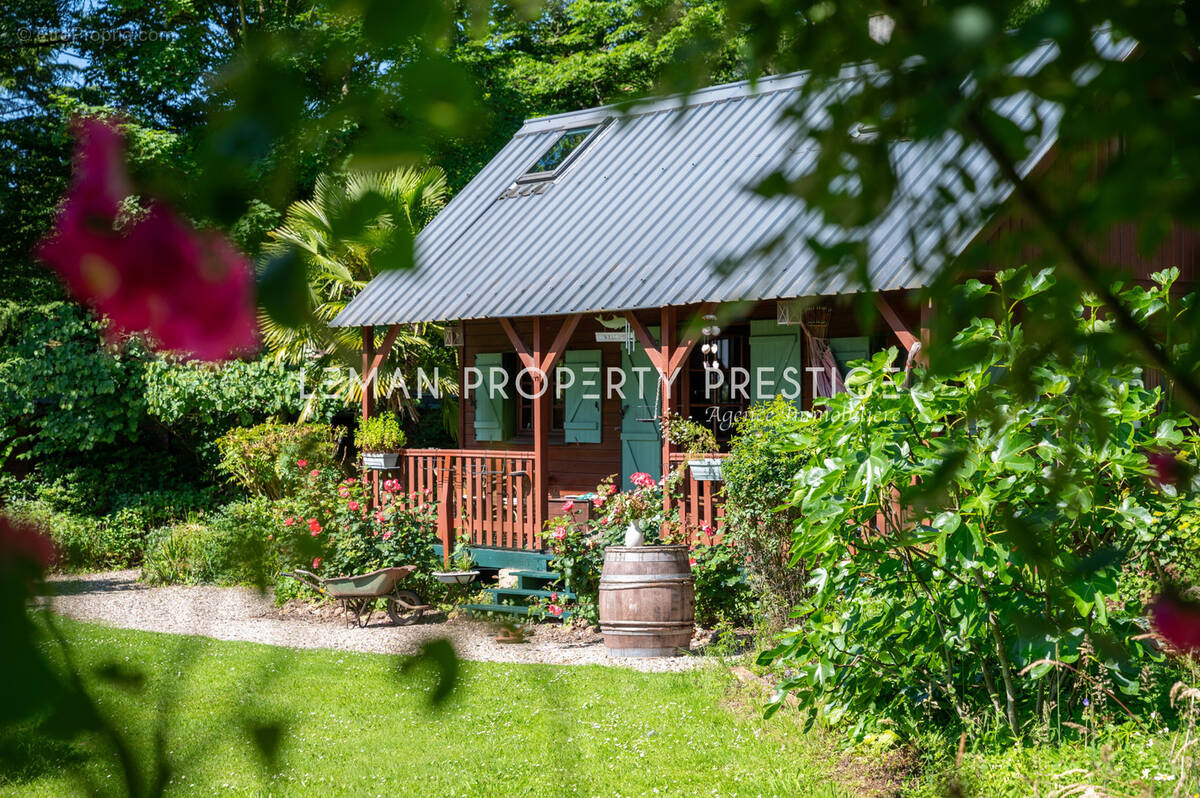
358, 593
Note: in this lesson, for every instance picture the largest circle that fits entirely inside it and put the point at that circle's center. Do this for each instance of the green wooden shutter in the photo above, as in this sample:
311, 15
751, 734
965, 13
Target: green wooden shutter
846, 350
494, 419
581, 403
775, 348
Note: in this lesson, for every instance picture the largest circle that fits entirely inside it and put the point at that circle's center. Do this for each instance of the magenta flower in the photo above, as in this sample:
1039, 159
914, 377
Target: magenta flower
568, 506
353, 505
555, 610
302, 463
1178, 620
316, 563
192, 291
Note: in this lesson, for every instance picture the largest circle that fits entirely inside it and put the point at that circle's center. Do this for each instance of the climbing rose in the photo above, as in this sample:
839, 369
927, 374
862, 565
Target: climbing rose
343, 491
289, 521
387, 535
191, 290
559, 534
706, 528
555, 609
314, 526
379, 516
302, 463
314, 473
316, 563
353, 505
554, 597
1178, 620
568, 506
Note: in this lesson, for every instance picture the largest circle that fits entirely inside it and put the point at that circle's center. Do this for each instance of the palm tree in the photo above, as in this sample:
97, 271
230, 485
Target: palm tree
355, 226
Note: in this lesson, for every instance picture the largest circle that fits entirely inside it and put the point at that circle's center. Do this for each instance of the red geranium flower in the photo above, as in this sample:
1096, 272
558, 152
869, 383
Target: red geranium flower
302, 463
289, 521
692, 561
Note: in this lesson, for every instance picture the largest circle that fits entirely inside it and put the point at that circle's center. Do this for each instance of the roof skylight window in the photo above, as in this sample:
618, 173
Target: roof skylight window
554, 160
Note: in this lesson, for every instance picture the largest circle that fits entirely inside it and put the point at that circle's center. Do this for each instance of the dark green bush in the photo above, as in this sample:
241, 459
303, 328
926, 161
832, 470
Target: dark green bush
758, 482
723, 593
91, 544
228, 547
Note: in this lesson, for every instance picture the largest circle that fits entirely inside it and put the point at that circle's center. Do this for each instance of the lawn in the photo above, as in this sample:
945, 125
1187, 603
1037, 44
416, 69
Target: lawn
356, 725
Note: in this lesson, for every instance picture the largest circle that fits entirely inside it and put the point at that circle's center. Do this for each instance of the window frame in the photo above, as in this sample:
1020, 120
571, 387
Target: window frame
541, 177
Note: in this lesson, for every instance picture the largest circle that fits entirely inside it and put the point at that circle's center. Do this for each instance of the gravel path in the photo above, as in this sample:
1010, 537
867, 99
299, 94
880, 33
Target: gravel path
117, 598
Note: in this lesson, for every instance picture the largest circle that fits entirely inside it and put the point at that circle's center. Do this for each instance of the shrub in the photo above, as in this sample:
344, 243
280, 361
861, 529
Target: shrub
90, 544
381, 433
965, 535
230, 547
262, 459
722, 593
329, 527
758, 482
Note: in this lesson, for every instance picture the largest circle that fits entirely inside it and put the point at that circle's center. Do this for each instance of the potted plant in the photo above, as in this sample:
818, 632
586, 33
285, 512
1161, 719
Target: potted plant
697, 441
462, 565
380, 440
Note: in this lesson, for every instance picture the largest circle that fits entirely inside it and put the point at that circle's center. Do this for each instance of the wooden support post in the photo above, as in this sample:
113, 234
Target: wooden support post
445, 527
903, 334
541, 429
926, 324
368, 401
666, 357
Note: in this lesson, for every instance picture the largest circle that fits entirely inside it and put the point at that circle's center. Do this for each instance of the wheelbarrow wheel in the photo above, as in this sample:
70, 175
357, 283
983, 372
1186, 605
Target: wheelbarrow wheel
405, 607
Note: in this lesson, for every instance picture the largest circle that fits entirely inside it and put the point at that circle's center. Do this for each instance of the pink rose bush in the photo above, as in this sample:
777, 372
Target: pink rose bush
347, 533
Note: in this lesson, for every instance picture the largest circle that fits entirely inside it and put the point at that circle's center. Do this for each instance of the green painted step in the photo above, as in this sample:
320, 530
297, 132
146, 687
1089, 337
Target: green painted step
531, 593
488, 557
504, 609
549, 576
508, 609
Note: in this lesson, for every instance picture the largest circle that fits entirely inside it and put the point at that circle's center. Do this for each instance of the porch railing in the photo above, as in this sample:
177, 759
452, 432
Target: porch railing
489, 494
700, 502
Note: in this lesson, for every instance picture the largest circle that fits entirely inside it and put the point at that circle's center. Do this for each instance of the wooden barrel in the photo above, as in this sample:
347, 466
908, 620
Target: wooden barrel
647, 601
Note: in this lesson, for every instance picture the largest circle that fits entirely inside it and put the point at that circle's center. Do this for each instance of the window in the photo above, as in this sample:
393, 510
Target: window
719, 408
525, 403
555, 159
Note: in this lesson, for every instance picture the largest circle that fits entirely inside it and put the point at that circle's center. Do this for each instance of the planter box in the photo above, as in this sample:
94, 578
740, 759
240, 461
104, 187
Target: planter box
383, 461
707, 470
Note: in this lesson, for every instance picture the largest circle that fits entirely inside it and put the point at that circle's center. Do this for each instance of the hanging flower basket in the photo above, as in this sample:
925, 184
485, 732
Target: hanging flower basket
382, 461
706, 470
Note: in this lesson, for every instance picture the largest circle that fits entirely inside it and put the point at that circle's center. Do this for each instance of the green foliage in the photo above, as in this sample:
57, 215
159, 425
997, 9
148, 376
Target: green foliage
380, 433
87, 543
272, 459
995, 597
61, 389
687, 435
758, 481
228, 547
723, 596
188, 394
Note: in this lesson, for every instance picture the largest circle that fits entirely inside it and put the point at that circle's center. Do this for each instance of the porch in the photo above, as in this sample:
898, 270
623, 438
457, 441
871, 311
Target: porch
490, 496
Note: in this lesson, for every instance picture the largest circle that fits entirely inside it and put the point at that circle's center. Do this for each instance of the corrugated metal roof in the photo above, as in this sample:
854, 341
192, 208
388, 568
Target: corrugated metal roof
659, 197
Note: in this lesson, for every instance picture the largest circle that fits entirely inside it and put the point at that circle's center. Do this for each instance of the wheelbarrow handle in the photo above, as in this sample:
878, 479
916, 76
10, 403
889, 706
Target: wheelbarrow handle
307, 578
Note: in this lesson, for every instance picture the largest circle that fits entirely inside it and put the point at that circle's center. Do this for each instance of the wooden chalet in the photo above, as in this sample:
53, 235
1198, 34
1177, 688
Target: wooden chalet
589, 221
